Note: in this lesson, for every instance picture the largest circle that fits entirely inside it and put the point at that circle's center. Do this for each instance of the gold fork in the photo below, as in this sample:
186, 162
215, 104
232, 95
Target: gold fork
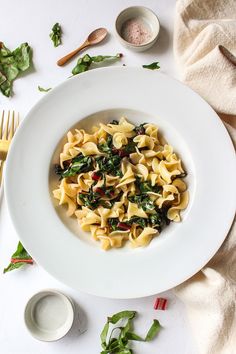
6, 135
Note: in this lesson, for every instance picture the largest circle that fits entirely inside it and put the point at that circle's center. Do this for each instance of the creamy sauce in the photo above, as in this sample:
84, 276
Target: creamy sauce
50, 313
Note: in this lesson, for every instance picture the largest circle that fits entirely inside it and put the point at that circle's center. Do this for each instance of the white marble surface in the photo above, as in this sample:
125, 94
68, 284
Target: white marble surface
31, 21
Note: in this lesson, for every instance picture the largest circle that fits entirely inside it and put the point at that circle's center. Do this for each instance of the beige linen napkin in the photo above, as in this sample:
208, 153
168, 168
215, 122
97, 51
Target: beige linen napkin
204, 47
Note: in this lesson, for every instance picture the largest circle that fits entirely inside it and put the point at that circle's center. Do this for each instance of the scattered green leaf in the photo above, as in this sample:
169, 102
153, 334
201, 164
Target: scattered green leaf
120, 336
41, 89
84, 63
56, 34
154, 329
19, 258
12, 64
152, 66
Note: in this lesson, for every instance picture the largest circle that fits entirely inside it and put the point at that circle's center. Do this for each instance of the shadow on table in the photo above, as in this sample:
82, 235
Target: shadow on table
162, 43
79, 325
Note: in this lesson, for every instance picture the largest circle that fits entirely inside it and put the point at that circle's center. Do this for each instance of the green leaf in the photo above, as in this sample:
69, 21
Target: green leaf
134, 336
103, 335
143, 201
153, 331
139, 221
139, 129
119, 344
110, 164
19, 254
79, 164
13, 266
12, 64
152, 66
56, 34
121, 315
99, 58
22, 56
41, 89
84, 63
107, 146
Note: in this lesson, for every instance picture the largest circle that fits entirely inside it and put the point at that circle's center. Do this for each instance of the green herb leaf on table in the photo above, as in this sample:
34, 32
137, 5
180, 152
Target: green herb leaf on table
19, 258
120, 336
41, 89
56, 34
152, 66
121, 315
84, 63
153, 330
12, 64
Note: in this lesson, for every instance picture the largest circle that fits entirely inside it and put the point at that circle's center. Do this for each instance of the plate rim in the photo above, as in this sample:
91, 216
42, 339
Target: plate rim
45, 98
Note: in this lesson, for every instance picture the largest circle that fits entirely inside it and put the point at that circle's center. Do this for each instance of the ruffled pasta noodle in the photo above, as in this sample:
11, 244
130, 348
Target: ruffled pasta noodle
123, 183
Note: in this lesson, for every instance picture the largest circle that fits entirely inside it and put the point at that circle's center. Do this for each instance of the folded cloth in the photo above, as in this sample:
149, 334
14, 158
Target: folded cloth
205, 50
204, 46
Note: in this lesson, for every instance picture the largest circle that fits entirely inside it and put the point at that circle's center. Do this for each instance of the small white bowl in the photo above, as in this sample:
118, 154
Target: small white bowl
147, 16
49, 315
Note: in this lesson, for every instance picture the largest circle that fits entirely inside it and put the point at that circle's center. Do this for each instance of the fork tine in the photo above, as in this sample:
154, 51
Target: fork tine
5, 134
17, 121
12, 129
1, 172
1, 125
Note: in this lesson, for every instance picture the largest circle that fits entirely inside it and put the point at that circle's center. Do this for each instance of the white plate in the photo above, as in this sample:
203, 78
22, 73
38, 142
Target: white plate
186, 121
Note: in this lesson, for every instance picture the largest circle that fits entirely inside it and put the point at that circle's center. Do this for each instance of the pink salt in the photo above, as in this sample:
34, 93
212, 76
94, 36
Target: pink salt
136, 31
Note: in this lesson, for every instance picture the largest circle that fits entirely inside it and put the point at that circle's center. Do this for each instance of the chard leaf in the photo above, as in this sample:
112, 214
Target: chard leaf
41, 89
121, 315
109, 164
134, 336
139, 221
22, 57
154, 329
103, 335
145, 187
114, 122
119, 344
143, 201
152, 66
140, 130
107, 146
84, 63
56, 34
12, 64
13, 266
79, 164
18, 255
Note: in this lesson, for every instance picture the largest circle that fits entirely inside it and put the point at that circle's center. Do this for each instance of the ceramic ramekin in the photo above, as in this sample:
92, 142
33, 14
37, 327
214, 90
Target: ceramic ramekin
138, 12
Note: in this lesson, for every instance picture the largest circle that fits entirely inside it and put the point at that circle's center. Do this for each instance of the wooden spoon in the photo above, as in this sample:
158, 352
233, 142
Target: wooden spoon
95, 37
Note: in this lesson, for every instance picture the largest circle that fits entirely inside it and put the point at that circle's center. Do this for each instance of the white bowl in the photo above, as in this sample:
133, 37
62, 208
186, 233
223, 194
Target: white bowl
138, 12
185, 121
49, 315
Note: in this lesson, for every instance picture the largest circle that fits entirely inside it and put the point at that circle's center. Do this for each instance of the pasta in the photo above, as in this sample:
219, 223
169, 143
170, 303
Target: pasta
123, 182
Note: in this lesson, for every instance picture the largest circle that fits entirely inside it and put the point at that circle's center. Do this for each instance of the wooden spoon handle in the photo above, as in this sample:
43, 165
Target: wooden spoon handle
67, 57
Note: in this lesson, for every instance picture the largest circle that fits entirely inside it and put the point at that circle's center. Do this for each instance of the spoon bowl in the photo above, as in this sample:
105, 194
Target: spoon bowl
95, 37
